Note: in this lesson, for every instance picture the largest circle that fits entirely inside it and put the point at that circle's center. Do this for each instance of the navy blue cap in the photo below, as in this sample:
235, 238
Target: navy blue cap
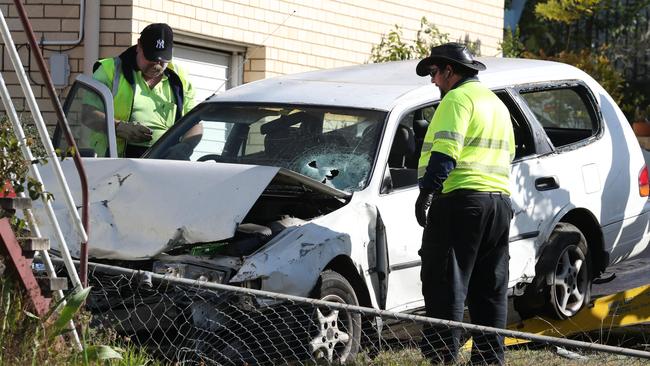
157, 41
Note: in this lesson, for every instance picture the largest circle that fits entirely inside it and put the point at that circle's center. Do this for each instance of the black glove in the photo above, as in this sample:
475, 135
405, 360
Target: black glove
422, 205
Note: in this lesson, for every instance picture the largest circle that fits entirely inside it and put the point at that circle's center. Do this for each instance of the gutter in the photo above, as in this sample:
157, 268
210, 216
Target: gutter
75, 42
91, 36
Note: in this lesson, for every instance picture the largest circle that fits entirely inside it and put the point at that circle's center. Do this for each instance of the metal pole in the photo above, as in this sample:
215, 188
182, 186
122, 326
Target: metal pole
74, 42
38, 119
63, 123
27, 154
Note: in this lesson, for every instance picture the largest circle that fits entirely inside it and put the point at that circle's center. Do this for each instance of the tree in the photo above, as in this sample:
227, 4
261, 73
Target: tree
393, 47
607, 38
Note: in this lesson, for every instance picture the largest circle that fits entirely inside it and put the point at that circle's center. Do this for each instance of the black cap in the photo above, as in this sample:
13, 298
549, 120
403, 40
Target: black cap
449, 52
157, 41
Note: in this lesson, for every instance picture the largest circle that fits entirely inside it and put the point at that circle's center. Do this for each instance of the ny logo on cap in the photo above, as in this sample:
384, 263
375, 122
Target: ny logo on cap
160, 44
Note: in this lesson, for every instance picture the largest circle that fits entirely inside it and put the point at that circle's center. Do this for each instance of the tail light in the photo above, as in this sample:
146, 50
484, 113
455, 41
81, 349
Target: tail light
644, 182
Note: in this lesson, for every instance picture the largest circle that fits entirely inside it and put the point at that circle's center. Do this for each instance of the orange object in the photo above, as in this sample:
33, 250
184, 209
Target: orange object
641, 128
8, 189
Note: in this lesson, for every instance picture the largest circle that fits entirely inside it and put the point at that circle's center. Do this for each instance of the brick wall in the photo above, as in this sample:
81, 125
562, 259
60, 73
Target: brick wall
281, 36
302, 35
58, 20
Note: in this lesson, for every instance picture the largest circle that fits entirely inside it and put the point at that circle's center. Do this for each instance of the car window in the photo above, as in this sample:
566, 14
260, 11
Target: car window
334, 146
406, 147
524, 143
564, 113
85, 110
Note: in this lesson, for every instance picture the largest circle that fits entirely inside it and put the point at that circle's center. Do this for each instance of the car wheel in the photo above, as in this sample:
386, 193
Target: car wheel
562, 285
338, 332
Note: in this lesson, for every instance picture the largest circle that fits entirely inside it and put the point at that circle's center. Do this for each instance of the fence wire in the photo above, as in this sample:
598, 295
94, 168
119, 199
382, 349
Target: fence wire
184, 322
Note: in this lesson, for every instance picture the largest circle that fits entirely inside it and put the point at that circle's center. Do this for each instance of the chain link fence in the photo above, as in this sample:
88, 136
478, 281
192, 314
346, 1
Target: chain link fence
180, 321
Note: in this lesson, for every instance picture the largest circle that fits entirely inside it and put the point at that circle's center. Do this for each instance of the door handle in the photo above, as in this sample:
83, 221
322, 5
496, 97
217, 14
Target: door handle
546, 183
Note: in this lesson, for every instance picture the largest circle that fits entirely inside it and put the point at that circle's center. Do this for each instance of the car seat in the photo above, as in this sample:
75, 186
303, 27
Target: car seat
402, 148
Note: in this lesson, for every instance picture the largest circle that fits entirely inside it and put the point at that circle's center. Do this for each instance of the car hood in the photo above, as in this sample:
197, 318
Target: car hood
140, 207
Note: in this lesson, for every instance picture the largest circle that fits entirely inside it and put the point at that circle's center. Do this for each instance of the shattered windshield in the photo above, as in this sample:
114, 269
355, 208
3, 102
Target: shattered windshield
333, 146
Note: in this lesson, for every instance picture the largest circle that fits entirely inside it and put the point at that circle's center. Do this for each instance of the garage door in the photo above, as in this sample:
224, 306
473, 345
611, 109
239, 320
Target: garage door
208, 70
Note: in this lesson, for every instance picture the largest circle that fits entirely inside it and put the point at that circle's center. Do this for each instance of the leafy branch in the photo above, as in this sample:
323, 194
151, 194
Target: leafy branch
393, 46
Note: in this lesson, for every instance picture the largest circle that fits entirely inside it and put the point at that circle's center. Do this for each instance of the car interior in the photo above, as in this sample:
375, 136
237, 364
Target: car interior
409, 137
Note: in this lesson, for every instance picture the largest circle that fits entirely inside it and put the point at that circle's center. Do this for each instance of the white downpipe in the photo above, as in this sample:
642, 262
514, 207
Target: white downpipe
74, 42
52, 157
91, 36
33, 170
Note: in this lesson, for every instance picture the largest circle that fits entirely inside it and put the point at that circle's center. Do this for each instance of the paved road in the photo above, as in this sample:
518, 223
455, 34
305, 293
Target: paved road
629, 274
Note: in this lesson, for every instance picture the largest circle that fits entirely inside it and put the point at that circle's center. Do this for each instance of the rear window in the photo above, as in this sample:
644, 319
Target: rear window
566, 114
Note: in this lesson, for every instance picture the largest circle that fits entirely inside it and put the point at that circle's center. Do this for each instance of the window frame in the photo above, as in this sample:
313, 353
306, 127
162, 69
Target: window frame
582, 90
86, 82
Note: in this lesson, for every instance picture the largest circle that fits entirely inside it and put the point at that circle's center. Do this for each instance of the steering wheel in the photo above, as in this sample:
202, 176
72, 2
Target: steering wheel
215, 157
218, 158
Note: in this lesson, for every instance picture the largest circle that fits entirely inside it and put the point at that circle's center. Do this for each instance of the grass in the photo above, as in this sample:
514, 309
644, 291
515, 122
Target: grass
25, 339
514, 357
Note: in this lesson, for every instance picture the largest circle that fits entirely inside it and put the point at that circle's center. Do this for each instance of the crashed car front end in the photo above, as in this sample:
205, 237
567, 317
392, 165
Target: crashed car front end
259, 196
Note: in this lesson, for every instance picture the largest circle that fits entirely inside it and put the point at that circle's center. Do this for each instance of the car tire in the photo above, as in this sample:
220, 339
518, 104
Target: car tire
337, 335
562, 285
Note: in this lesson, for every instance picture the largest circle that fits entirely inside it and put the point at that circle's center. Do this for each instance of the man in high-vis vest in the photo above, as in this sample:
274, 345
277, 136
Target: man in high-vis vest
464, 172
150, 93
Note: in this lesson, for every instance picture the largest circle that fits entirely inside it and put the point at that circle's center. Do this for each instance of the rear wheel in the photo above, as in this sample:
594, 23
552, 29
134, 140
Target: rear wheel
338, 332
562, 286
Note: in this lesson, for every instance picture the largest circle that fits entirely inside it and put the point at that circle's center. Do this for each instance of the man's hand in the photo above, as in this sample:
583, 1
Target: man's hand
133, 132
422, 205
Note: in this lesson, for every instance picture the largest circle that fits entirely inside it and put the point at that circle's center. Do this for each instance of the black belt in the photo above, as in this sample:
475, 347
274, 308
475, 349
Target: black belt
470, 192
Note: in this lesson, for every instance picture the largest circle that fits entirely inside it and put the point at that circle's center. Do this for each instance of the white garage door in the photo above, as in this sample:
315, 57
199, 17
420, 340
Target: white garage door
208, 70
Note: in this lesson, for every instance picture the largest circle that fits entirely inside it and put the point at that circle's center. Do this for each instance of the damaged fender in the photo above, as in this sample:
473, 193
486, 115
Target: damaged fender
292, 262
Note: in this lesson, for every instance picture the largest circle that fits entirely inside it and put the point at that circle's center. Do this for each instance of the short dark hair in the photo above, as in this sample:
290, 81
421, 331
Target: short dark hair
459, 69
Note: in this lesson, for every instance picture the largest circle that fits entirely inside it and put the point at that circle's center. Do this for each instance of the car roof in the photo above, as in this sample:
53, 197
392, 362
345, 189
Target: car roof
380, 86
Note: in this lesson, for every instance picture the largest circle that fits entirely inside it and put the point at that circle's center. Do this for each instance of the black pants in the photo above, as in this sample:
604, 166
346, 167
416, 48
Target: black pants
465, 258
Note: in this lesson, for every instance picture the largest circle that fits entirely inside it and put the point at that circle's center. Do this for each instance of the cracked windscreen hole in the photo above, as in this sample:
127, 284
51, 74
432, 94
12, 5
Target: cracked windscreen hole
333, 173
334, 166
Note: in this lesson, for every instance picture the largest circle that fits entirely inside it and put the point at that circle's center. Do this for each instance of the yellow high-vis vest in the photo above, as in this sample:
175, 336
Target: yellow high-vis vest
123, 94
473, 127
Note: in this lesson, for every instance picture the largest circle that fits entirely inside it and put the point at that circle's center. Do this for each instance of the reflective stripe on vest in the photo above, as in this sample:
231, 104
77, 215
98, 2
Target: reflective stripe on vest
484, 154
123, 93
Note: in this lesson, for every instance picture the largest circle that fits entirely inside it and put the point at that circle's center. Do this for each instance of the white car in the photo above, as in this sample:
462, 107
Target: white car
305, 184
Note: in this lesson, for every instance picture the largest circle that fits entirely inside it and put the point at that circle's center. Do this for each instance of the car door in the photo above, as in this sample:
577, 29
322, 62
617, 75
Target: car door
88, 108
533, 193
396, 208
567, 174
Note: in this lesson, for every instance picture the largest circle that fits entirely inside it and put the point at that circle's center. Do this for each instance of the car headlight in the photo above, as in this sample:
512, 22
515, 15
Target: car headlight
189, 271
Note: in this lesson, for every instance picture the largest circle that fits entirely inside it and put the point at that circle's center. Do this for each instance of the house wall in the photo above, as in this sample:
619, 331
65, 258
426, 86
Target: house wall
273, 37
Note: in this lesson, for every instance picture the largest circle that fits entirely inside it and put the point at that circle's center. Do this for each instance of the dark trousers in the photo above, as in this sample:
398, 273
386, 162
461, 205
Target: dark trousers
465, 258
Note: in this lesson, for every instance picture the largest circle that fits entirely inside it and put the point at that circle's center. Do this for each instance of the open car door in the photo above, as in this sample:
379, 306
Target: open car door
88, 109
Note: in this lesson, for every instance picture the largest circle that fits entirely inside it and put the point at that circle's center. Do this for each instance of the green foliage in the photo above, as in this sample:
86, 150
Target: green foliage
594, 63
393, 46
27, 339
566, 11
67, 312
14, 169
566, 30
512, 46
